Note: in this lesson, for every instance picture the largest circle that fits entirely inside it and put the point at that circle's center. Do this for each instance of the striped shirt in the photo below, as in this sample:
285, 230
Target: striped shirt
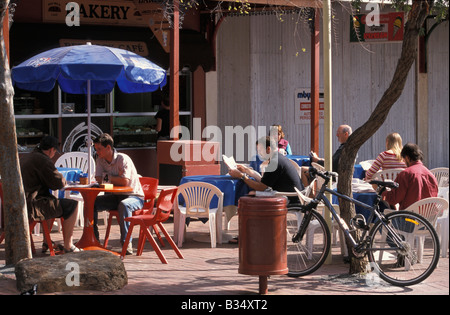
384, 161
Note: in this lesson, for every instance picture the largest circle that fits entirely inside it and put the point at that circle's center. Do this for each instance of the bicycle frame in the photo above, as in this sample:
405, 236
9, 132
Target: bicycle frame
342, 225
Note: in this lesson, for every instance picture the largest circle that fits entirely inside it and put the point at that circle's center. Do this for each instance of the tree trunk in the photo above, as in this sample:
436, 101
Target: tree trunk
17, 236
416, 17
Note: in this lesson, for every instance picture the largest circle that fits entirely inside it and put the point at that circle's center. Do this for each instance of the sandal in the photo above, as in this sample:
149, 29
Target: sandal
234, 240
45, 247
73, 249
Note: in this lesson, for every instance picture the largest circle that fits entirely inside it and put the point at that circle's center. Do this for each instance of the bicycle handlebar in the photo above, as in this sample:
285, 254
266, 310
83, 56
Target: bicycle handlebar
325, 175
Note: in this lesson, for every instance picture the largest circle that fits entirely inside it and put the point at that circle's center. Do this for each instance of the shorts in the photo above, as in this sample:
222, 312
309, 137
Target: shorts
68, 207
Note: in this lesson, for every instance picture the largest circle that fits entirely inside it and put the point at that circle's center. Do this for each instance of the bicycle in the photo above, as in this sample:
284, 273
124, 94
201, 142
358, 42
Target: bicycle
388, 240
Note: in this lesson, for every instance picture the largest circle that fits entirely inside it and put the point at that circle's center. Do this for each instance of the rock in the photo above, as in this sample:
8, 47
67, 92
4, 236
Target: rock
86, 270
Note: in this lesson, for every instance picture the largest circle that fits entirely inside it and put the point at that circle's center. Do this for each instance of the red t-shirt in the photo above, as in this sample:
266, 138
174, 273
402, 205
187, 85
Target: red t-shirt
415, 183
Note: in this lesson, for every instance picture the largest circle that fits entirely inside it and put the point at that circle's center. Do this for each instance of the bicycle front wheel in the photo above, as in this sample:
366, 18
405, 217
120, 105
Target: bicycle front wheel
306, 255
407, 253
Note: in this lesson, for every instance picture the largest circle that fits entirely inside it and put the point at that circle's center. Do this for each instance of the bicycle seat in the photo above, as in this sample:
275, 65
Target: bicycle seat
384, 184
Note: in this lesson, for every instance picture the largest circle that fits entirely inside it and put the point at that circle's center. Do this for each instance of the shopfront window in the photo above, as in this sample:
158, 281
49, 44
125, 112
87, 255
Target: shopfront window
77, 103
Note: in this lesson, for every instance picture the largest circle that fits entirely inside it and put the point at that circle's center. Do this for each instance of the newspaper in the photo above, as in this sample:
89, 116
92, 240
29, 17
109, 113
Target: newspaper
230, 162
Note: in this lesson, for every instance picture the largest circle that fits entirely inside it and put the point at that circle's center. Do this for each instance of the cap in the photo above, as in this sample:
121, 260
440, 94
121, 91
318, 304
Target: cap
49, 142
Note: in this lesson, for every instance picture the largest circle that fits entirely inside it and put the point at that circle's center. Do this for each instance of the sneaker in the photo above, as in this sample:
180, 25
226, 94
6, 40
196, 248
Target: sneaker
130, 249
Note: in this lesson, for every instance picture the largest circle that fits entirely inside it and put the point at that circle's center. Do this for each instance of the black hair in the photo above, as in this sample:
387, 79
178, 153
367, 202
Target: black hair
412, 151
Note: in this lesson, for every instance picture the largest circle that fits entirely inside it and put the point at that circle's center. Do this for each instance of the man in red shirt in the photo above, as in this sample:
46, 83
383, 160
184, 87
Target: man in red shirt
415, 183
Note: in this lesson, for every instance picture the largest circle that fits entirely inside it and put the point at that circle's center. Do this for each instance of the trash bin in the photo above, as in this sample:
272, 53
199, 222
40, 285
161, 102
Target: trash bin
262, 237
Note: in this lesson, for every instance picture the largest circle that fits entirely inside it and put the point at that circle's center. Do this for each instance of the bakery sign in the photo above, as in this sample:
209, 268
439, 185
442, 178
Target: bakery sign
387, 27
91, 12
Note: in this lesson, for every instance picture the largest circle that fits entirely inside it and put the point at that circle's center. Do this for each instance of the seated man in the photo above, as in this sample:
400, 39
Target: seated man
279, 173
121, 171
342, 133
39, 176
415, 183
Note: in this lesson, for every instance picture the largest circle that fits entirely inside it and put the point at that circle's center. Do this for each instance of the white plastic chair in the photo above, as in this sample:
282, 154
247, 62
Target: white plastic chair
197, 198
387, 174
313, 225
430, 208
441, 174
76, 160
442, 223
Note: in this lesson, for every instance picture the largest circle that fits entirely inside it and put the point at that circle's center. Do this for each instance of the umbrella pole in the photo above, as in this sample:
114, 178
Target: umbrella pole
89, 139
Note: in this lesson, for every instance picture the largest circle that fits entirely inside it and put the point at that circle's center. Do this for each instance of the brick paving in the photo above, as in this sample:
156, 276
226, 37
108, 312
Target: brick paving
210, 271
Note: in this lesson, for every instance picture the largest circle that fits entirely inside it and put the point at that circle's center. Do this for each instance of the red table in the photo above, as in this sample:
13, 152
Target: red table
88, 240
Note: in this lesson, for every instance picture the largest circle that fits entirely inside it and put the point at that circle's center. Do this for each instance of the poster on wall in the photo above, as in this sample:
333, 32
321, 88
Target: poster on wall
303, 106
388, 27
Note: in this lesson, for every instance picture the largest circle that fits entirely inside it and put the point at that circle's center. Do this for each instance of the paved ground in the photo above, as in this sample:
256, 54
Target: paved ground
207, 271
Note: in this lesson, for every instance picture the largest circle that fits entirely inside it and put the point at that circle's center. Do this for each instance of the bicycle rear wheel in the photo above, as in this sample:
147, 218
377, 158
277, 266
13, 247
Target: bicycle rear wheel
416, 257
308, 254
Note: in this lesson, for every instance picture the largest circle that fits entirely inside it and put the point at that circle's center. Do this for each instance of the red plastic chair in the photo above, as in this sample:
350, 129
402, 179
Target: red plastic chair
163, 209
150, 188
45, 226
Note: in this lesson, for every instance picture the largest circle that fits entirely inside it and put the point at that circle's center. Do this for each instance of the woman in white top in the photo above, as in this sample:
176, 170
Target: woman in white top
390, 158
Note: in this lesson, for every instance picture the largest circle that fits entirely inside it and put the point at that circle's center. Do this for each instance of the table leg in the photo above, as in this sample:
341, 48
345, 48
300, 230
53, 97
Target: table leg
88, 238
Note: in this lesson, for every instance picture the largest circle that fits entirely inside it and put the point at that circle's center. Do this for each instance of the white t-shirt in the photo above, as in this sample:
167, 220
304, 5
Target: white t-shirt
121, 166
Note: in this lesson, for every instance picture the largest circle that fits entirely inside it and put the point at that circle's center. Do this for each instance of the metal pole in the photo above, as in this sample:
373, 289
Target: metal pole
328, 121
89, 139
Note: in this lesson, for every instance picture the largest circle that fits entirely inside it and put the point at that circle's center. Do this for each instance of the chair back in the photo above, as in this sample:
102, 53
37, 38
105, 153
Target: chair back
150, 188
164, 204
430, 208
387, 174
297, 168
76, 160
441, 174
198, 197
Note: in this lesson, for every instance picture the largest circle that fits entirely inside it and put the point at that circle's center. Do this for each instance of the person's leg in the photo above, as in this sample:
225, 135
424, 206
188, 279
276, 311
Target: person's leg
102, 203
68, 225
125, 209
305, 176
70, 215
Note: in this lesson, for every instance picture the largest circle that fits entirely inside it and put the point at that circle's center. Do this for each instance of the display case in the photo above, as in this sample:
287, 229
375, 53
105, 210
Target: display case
134, 132
36, 116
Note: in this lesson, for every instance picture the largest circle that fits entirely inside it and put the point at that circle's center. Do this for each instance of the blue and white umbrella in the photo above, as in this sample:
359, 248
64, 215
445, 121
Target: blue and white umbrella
89, 69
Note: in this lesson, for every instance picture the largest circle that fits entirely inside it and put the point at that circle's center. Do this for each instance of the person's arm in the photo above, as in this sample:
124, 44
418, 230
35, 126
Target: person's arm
158, 124
288, 149
250, 172
254, 184
375, 167
119, 181
397, 195
50, 176
316, 158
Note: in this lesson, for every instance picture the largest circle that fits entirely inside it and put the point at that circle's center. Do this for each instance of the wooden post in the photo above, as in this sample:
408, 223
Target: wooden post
315, 75
175, 72
328, 108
